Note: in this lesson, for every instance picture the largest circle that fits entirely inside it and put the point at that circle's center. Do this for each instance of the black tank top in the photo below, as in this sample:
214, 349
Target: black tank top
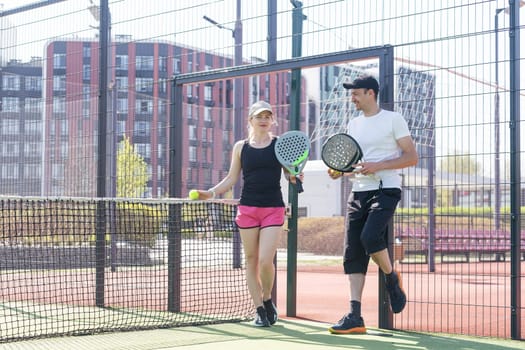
262, 176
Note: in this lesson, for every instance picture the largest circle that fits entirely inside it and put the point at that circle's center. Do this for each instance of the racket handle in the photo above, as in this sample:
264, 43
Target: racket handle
298, 185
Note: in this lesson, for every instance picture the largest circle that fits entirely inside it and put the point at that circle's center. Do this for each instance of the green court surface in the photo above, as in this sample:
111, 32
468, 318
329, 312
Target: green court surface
288, 334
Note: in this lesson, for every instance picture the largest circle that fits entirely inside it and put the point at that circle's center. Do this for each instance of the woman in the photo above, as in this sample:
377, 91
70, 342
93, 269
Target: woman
261, 210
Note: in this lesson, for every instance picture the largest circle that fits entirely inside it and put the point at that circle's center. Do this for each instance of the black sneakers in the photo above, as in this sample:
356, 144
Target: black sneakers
261, 318
349, 324
271, 311
398, 298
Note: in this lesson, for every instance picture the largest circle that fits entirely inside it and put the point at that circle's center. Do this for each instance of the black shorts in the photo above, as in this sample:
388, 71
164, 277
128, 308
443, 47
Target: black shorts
368, 214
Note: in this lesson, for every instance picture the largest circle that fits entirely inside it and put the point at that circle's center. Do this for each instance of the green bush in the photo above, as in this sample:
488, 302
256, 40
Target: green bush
139, 223
319, 235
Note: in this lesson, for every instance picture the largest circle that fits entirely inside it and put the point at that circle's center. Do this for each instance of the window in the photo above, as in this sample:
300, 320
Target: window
11, 82
86, 51
86, 100
10, 104
31, 149
10, 127
122, 83
59, 104
207, 176
176, 65
59, 83
189, 175
52, 130
33, 127
10, 149
33, 105
204, 134
208, 93
57, 171
63, 150
144, 106
192, 132
121, 127
163, 105
162, 83
86, 72
122, 105
9, 171
34, 83
144, 149
163, 63
121, 62
207, 114
64, 127
144, 85
192, 153
59, 60
32, 171
142, 128
144, 62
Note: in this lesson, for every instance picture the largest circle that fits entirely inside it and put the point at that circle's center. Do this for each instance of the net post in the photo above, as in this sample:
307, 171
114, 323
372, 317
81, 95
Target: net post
236, 248
386, 100
274, 289
386, 318
174, 256
100, 253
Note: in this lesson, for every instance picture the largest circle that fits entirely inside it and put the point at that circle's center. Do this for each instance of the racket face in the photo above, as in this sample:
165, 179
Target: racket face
292, 149
340, 152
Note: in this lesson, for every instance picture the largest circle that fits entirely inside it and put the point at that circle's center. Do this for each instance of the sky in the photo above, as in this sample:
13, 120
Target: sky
463, 63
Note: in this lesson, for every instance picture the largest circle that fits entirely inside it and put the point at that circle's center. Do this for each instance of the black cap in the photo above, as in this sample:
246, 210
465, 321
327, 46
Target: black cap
363, 82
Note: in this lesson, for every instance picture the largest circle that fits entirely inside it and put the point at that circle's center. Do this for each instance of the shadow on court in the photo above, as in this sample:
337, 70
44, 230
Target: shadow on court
289, 334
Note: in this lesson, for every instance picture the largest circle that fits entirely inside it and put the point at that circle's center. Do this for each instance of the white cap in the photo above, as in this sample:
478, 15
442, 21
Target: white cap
260, 106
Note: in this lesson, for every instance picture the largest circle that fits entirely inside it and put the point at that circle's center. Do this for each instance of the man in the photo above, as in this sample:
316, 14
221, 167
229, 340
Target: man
387, 146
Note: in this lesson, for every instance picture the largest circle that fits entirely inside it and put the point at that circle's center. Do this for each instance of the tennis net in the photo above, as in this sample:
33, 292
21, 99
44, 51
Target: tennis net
80, 266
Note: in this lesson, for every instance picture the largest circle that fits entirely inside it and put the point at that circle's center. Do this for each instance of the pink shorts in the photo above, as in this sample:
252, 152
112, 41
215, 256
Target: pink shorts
250, 217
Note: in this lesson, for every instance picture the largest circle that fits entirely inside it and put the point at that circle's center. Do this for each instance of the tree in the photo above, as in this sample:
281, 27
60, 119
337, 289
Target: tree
460, 163
132, 171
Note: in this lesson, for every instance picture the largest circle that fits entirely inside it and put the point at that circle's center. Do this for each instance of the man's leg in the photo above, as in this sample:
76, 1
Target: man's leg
375, 241
394, 286
382, 259
352, 323
355, 266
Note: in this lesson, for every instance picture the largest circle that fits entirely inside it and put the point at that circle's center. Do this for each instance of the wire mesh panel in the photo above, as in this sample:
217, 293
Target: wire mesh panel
49, 266
454, 82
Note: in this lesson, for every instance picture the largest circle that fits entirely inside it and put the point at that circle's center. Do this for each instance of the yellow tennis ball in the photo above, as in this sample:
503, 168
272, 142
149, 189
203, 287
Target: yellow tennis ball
194, 194
334, 172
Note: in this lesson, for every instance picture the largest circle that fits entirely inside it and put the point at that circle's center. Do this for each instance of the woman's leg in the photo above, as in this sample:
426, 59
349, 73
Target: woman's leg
250, 242
268, 241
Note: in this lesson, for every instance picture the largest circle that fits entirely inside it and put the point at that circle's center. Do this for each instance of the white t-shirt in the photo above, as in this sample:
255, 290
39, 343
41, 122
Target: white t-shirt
377, 136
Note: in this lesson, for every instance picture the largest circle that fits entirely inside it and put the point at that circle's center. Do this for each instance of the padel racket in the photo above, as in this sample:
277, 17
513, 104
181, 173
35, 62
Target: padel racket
292, 149
340, 152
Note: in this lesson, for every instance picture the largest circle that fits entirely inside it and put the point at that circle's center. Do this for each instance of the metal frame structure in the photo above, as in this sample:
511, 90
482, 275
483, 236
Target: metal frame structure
385, 56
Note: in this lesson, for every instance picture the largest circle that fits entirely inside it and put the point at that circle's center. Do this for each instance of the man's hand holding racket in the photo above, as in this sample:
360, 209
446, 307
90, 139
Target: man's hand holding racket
334, 174
342, 154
